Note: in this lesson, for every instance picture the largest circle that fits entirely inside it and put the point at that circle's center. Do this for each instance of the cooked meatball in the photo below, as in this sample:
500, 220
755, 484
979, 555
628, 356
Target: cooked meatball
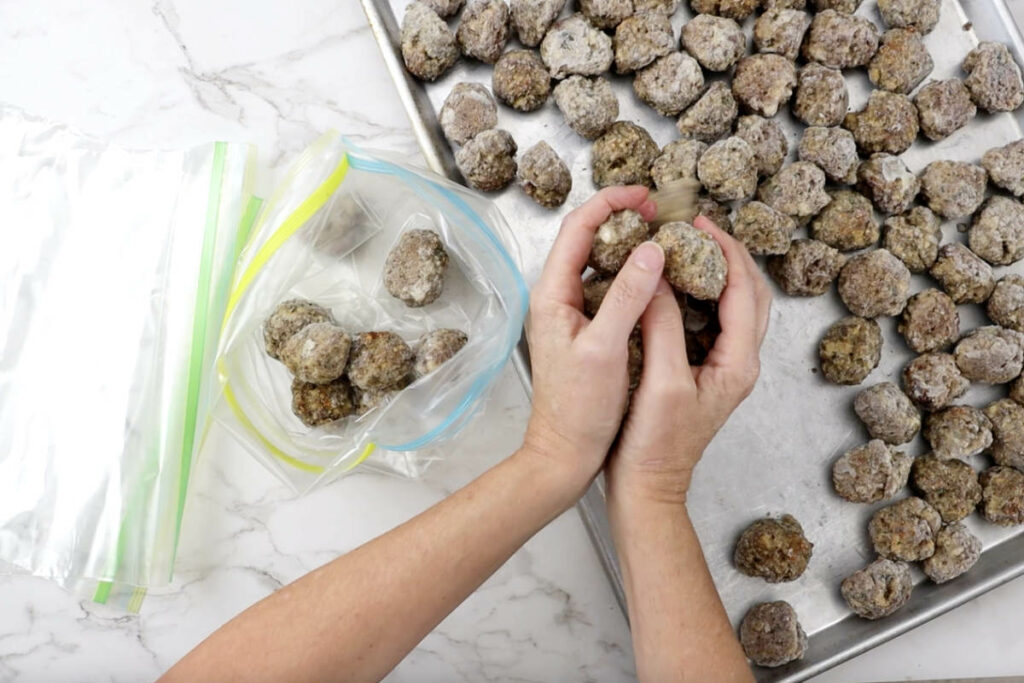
997, 233
694, 263
870, 473
483, 29
766, 138
797, 190
921, 15
288, 319
850, 350
710, 117
992, 355
784, 4
930, 322
668, 7
844, 6
444, 8
436, 348
1002, 496
634, 361
781, 31
833, 150
588, 105
902, 61
879, 589
821, 97
905, 530
543, 176
965, 277
623, 156
671, 84
1007, 419
1006, 305
414, 269
428, 45
606, 14
944, 107
847, 223
762, 229
888, 123
1017, 390
949, 486
615, 240
887, 413
774, 549
808, 269
379, 360
733, 9
640, 39
1005, 166
728, 169
957, 432
993, 78
371, 399
531, 19
763, 82
840, 41
933, 380
953, 189
913, 237
678, 160
319, 404
487, 162
889, 183
716, 42
468, 110
956, 551
874, 284
573, 46
595, 288
520, 80
771, 636
317, 353
715, 212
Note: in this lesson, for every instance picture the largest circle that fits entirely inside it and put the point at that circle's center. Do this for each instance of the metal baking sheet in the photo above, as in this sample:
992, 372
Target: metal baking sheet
775, 453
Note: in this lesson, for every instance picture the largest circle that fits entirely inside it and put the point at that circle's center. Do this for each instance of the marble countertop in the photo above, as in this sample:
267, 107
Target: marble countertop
173, 73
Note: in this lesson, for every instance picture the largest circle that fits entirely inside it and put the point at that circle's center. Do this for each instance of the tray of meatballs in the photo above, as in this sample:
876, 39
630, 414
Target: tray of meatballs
869, 154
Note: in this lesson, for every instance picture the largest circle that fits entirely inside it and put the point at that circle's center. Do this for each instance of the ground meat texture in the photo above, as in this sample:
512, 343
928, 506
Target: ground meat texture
1005, 166
797, 190
483, 29
634, 361
520, 80
371, 399
879, 589
762, 229
678, 161
933, 380
414, 269
606, 14
965, 277
888, 123
1006, 305
774, 549
728, 169
1017, 390
468, 110
319, 404
763, 82
874, 284
670, 84
1007, 419
716, 42
949, 486
640, 39
889, 183
956, 551
840, 41
428, 45
623, 156
444, 8
992, 354
710, 117
921, 15
914, 238
771, 636
317, 353
993, 78
732, 9
953, 189
694, 263
573, 46
781, 31
807, 269
887, 413
930, 322
588, 105
379, 360
850, 350
821, 97
847, 223
1002, 496
543, 176
668, 7
715, 212
833, 150
905, 530
615, 240
943, 107
436, 348
870, 473
595, 288
784, 4
766, 138
289, 318
997, 233
957, 432
487, 162
902, 61
531, 19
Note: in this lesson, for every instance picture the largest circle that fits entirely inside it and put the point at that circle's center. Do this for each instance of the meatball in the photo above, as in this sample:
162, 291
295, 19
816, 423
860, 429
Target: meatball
543, 176
319, 404
797, 190
615, 240
930, 322
1017, 390
921, 15
436, 348
933, 381
483, 29
414, 269
902, 61
957, 432
874, 284
887, 413
678, 161
640, 39
668, 7
766, 138
728, 169
1002, 496
781, 31
588, 105
444, 8
763, 82
833, 150
468, 110
487, 162
1007, 419
889, 183
732, 9
531, 19
520, 80
847, 223
694, 263
913, 237
965, 277
774, 549
670, 84
993, 78
784, 4
380, 360
1005, 166
850, 350
634, 360
623, 156
762, 229
288, 319
715, 212
905, 530
992, 354
944, 107
317, 353
879, 589
1006, 305
595, 288
428, 45
371, 399
573, 46
870, 473
997, 233
949, 486
956, 551
888, 123
771, 636
807, 269
606, 14
710, 117
953, 189
840, 41
821, 97
716, 42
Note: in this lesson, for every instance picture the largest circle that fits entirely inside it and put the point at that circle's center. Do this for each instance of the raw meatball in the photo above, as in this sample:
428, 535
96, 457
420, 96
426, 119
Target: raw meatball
763, 83
1005, 166
850, 350
520, 80
728, 169
715, 212
606, 14
781, 31
771, 635
914, 238
1006, 305
733, 9
716, 42
821, 97
889, 183
847, 223
677, 161
902, 61
543, 176
930, 321
694, 263
483, 29
997, 234
870, 473
807, 269
531, 19
953, 189
1002, 496
879, 589
1017, 390
956, 551
905, 530
933, 380
834, 150
957, 432
1007, 419
444, 8
992, 354
468, 110
774, 549
917, 14
615, 240
840, 41
949, 486
965, 277
428, 45
640, 39
710, 117
436, 348
762, 229
414, 269
318, 404
371, 399
887, 413
766, 138
888, 123
595, 288
573, 46
317, 353
670, 84
288, 319
588, 105
993, 78
874, 284
797, 190
380, 360
944, 107
487, 162
623, 156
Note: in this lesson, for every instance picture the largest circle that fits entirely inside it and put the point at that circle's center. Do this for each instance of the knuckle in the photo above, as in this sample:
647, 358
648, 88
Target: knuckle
592, 352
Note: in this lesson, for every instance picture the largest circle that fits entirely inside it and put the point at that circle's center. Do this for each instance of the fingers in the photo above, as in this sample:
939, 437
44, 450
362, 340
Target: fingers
664, 340
629, 295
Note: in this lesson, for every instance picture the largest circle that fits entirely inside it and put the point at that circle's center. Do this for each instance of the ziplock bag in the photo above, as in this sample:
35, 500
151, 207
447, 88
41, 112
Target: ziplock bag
324, 236
112, 266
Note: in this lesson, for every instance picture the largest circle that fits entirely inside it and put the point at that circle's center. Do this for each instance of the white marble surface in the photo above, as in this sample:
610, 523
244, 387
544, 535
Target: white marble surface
177, 72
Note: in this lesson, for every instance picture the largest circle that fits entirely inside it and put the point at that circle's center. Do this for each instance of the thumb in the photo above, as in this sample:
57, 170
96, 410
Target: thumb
630, 293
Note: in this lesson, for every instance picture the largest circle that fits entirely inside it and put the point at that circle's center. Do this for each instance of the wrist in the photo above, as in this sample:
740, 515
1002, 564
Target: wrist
560, 479
632, 483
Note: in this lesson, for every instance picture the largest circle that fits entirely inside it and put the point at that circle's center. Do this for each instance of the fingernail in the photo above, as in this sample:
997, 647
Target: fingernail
649, 256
